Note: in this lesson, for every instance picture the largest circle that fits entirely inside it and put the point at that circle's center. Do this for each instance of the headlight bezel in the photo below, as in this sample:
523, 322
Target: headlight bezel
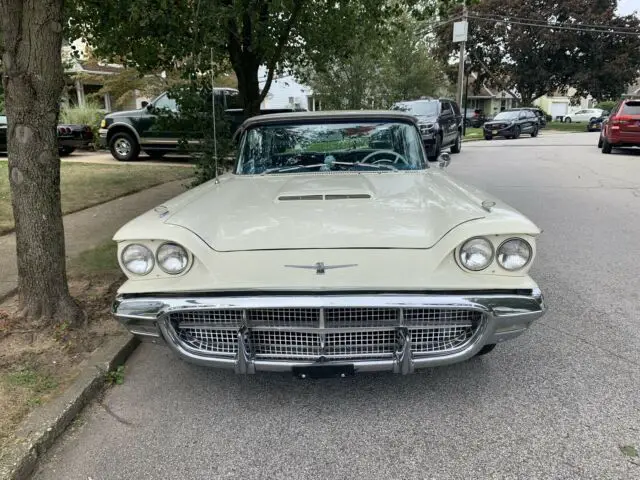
526, 264
124, 263
159, 263
461, 249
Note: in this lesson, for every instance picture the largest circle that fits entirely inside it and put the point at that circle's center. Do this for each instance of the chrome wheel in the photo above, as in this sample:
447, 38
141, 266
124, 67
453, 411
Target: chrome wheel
122, 146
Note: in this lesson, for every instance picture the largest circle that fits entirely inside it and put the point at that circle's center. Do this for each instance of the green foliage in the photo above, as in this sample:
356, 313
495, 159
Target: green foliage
31, 378
123, 85
537, 60
194, 127
381, 70
607, 105
90, 114
115, 377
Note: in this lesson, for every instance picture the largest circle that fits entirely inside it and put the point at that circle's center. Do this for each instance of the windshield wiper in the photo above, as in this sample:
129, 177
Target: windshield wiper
318, 165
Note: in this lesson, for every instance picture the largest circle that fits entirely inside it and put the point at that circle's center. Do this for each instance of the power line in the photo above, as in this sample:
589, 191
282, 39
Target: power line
550, 23
556, 27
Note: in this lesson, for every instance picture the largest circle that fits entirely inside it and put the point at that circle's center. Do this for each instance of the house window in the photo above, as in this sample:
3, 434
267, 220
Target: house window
290, 100
503, 104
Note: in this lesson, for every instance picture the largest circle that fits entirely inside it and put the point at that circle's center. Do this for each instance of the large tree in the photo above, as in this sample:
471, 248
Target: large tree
245, 34
543, 46
33, 81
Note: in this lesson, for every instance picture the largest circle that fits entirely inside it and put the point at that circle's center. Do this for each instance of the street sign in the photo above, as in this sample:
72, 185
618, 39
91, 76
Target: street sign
460, 31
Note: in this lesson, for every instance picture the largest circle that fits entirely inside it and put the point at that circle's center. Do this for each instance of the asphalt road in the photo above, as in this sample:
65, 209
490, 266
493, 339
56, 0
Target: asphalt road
559, 402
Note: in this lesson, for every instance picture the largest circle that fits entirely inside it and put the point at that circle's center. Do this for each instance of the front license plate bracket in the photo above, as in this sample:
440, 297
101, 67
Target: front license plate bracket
324, 371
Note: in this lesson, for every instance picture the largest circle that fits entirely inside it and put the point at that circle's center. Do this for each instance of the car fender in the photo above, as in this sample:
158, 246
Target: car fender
124, 125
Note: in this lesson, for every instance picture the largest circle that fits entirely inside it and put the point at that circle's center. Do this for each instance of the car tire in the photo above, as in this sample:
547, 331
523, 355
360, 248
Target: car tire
567, 120
516, 132
606, 146
124, 147
486, 349
488, 137
600, 142
436, 150
535, 132
66, 151
457, 145
156, 154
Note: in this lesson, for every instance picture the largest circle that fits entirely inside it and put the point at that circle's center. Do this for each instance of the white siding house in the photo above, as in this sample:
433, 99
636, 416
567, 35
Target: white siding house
287, 92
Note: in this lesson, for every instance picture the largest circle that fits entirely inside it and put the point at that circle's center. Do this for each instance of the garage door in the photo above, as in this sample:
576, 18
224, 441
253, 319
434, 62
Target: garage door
558, 109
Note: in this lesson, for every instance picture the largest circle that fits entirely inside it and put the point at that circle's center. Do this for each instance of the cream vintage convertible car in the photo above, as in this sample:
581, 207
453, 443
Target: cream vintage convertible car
333, 247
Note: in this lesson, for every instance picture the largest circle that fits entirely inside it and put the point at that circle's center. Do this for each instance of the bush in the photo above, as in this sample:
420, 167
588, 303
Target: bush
608, 106
90, 115
194, 127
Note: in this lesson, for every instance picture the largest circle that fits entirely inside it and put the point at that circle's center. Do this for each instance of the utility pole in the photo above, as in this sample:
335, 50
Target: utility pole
462, 55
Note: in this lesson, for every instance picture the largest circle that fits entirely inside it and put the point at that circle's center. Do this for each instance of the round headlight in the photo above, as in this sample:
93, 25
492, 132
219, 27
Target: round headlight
514, 254
476, 254
172, 258
137, 259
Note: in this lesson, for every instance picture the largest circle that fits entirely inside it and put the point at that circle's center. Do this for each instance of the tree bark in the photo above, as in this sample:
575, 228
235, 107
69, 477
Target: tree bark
33, 81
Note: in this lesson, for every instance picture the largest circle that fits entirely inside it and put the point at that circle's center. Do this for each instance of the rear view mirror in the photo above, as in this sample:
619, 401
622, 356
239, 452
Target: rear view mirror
144, 104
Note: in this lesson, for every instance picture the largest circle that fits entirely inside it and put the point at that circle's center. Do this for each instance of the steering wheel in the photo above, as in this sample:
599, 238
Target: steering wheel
398, 157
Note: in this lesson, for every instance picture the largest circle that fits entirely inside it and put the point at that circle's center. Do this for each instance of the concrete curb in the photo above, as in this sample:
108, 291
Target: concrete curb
43, 426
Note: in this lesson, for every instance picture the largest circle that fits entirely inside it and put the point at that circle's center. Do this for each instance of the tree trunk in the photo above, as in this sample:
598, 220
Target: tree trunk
33, 81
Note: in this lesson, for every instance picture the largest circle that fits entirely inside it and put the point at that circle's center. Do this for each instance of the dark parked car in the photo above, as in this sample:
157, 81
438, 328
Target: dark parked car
542, 117
70, 137
622, 128
126, 133
440, 123
475, 118
511, 124
595, 125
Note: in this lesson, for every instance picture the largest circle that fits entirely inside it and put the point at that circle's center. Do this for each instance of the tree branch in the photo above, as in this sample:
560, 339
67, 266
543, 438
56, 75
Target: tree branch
282, 41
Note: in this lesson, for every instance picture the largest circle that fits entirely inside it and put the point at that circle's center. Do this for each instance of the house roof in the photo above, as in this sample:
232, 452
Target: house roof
484, 91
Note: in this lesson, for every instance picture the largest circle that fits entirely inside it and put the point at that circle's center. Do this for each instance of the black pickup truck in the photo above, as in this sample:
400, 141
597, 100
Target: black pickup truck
127, 133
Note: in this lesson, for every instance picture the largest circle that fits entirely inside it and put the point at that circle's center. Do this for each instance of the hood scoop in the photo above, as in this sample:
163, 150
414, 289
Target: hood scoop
333, 196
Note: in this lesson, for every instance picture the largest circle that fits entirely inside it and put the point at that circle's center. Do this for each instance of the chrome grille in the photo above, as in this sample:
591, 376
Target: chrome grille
440, 317
222, 317
210, 341
438, 340
284, 317
361, 317
332, 332
269, 344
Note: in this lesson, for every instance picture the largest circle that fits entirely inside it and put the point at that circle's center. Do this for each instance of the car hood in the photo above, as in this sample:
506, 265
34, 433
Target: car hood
498, 122
126, 113
411, 210
426, 118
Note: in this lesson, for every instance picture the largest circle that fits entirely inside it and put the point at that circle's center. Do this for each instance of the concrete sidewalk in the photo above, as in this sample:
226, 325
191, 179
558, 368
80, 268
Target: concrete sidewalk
89, 228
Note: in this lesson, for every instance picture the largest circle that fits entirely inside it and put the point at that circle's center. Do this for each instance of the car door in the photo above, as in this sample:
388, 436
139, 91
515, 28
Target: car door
153, 133
447, 122
523, 121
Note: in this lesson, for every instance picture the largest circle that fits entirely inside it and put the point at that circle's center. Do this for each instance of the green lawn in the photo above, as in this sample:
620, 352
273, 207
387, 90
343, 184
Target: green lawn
85, 184
567, 127
473, 134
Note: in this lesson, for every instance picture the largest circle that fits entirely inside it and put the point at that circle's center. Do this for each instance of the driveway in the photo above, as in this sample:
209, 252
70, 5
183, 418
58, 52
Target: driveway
557, 403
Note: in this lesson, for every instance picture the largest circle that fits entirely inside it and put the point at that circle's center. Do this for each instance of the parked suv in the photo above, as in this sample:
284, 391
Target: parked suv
126, 133
440, 123
622, 128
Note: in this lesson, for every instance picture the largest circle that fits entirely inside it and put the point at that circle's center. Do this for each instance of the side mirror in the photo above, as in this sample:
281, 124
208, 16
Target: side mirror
444, 160
144, 104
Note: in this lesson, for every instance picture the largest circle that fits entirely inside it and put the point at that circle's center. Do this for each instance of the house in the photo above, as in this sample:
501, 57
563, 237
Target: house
487, 98
287, 92
561, 103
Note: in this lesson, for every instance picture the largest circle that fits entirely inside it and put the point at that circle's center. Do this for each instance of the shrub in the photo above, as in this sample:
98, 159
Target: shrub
608, 106
90, 114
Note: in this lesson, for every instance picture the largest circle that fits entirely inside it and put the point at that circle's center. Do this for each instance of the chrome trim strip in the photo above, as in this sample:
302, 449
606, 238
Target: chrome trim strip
504, 317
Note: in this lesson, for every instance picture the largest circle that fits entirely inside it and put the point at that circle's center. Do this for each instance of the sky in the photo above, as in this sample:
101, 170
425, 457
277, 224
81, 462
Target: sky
626, 7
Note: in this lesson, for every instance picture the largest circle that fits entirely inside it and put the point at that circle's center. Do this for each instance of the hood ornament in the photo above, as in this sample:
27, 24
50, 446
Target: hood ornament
321, 268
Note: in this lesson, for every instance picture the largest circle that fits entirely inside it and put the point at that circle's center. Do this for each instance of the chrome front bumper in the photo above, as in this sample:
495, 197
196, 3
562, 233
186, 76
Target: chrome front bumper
504, 316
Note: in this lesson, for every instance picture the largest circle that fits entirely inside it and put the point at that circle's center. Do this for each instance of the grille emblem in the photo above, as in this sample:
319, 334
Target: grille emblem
321, 268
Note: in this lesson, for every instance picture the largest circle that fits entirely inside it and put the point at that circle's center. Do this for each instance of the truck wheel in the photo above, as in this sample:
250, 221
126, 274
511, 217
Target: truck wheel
124, 147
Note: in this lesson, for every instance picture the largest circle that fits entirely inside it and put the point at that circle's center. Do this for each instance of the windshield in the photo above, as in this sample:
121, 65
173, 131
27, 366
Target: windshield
507, 115
382, 146
423, 107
